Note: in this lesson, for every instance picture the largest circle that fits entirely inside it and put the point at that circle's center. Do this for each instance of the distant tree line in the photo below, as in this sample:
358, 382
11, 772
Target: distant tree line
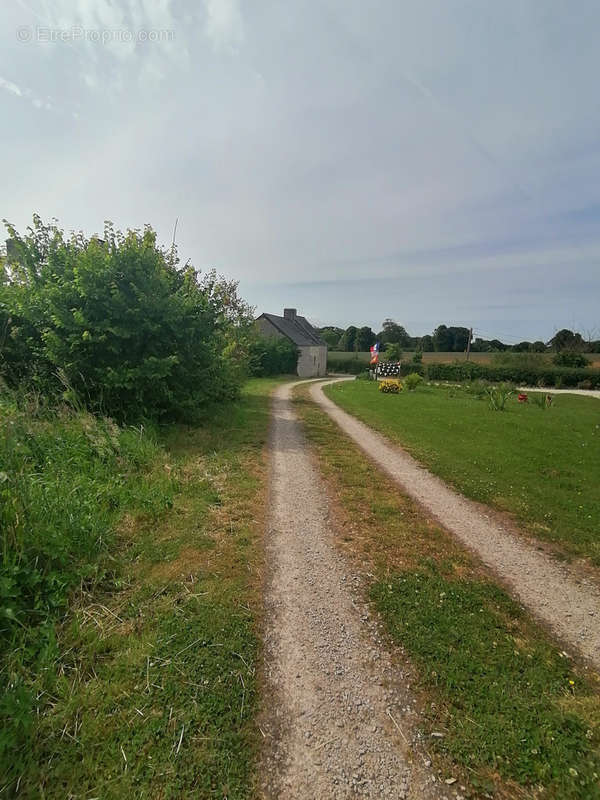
448, 339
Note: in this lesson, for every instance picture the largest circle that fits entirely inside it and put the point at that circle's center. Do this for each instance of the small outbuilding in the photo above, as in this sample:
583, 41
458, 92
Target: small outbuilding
312, 358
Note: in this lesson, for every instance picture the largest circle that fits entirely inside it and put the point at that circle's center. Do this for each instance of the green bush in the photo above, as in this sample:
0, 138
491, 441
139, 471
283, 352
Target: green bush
570, 359
128, 332
412, 381
545, 376
270, 355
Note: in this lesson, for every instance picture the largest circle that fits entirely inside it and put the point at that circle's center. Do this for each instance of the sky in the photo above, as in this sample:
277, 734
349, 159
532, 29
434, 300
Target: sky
432, 161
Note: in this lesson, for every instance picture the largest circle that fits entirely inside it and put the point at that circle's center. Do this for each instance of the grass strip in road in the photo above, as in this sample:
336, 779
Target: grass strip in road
540, 465
518, 717
150, 689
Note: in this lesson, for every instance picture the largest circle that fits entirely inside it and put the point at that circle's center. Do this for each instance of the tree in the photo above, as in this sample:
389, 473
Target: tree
522, 347
459, 338
567, 340
442, 339
538, 347
365, 338
392, 332
348, 339
332, 336
426, 343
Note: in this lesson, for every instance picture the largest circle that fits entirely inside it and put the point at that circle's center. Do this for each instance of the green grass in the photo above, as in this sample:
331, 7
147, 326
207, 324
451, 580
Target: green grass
518, 718
542, 466
141, 678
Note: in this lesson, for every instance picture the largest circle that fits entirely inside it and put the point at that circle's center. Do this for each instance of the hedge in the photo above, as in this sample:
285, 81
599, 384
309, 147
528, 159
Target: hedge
352, 366
549, 376
348, 366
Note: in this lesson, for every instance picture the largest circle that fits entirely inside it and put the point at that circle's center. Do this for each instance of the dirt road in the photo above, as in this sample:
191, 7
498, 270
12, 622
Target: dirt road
568, 604
328, 730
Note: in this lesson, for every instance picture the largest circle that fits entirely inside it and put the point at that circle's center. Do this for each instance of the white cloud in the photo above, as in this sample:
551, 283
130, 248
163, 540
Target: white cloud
11, 87
26, 94
224, 25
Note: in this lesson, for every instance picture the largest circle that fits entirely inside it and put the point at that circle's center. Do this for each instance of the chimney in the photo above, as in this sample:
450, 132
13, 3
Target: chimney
289, 313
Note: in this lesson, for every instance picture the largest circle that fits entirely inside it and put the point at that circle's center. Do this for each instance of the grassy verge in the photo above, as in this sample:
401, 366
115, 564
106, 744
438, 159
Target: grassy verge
540, 465
517, 717
142, 680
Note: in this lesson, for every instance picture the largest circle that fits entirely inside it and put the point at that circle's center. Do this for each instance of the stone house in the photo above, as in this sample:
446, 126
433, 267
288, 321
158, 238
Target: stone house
312, 358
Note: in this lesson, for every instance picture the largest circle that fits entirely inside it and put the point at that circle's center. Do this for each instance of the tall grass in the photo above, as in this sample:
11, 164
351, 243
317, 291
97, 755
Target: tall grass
65, 476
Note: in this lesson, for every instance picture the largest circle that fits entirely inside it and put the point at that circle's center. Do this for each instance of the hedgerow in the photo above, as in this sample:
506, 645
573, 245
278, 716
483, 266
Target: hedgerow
549, 376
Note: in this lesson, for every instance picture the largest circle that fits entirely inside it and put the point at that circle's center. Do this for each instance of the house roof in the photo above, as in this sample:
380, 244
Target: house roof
298, 329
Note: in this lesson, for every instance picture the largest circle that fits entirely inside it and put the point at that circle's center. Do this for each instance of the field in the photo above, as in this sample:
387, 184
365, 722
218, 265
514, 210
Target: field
131, 666
539, 465
429, 358
499, 704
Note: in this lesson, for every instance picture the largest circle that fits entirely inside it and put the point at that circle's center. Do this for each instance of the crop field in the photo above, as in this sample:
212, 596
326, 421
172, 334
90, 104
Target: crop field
541, 465
445, 358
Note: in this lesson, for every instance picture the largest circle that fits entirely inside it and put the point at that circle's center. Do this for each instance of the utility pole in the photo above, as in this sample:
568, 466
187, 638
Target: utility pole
469, 343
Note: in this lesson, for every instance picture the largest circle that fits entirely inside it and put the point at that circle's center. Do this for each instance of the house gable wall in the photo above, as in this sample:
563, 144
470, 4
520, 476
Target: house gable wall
312, 359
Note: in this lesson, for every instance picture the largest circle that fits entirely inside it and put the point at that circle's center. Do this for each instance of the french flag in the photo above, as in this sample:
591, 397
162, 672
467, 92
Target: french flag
375, 353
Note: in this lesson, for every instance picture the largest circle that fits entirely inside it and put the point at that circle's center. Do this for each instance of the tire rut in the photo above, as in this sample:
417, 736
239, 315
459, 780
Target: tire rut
335, 695
569, 605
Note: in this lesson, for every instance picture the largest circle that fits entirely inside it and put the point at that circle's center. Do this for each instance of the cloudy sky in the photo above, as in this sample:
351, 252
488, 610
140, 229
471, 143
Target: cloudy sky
427, 160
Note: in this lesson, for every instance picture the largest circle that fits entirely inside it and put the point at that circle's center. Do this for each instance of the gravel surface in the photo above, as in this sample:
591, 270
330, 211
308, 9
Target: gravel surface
570, 605
341, 718
583, 392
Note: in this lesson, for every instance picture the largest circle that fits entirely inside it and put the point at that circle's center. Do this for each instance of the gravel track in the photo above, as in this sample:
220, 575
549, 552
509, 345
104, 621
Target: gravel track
568, 604
332, 685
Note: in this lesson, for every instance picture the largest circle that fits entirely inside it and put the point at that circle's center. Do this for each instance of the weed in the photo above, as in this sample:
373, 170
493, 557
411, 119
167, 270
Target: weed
498, 395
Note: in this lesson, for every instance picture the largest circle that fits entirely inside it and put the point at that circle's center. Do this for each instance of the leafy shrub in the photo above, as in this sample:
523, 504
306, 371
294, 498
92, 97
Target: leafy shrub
365, 375
412, 381
417, 357
586, 384
132, 334
272, 355
570, 359
393, 351
499, 395
390, 387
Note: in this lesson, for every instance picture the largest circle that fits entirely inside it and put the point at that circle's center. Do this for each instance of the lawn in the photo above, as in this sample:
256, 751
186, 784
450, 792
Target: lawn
143, 683
501, 707
540, 465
